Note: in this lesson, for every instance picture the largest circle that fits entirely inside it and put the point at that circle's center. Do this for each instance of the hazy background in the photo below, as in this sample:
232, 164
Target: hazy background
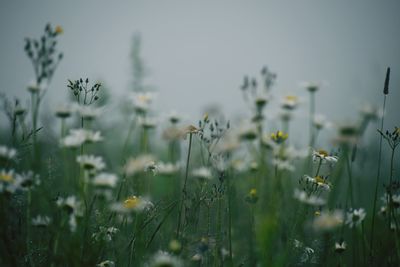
198, 51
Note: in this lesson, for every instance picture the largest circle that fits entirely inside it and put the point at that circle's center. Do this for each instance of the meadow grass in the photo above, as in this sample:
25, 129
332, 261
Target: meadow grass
79, 190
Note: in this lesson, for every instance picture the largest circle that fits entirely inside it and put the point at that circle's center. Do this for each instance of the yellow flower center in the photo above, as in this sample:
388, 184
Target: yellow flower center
323, 153
279, 136
253, 192
319, 179
59, 29
131, 202
291, 98
6, 178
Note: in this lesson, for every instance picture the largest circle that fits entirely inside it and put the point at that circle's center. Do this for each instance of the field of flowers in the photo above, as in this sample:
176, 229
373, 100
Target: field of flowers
77, 190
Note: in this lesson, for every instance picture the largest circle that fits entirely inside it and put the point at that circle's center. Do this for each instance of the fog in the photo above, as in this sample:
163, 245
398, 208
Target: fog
197, 52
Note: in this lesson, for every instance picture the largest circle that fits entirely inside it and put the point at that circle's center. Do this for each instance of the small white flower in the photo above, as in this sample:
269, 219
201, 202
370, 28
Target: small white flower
35, 88
7, 153
174, 117
78, 137
283, 165
328, 220
7, 181
312, 200
26, 180
63, 111
74, 209
323, 156
321, 122
142, 101
395, 201
168, 168
290, 102
132, 204
91, 162
41, 221
138, 164
355, 217
319, 181
202, 173
371, 112
311, 86
105, 180
147, 122
106, 263
161, 259
88, 112
340, 246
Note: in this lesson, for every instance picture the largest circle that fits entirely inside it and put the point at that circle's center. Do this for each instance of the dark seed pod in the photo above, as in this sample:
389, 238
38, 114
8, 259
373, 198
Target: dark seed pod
386, 88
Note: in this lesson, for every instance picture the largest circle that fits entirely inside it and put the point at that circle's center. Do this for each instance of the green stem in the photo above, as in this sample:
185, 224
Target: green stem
28, 224
312, 114
377, 179
184, 193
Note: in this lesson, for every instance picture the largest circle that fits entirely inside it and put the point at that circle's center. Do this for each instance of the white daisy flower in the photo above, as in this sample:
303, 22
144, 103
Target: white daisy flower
290, 102
319, 181
340, 246
147, 122
132, 204
91, 162
35, 88
89, 112
323, 156
63, 111
7, 153
283, 164
26, 180
371, 112
168, 168
105, 180
312, 200
311, 86
355, 217
142, 101
138, 165
328, 220
162, 258
41, 221
106, 263
74, 209
321, 122
78, 137
202, 173
7, 181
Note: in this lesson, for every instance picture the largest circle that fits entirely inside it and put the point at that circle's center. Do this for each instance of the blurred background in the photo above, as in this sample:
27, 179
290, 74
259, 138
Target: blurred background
197, 52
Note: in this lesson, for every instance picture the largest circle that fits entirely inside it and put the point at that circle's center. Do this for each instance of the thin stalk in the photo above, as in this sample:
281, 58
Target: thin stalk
229, 191
28, 224
128, 137
55, 247
391, 212
349, 172
319, 167
184, 193
312, 114
377, 178
218, 240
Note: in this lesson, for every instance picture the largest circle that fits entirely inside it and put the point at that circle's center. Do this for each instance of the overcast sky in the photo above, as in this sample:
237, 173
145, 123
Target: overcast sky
198, 51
